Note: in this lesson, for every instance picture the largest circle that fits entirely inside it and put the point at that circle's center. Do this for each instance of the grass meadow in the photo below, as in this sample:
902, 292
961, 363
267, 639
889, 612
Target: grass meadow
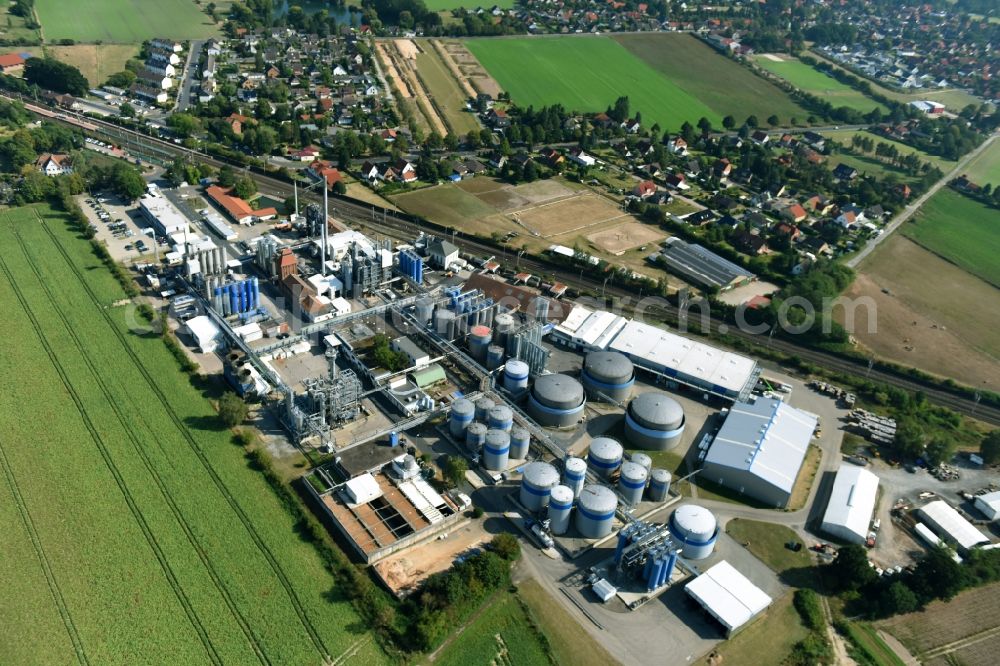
815, 82
122, 21
500, 634
960, 230
986, 168
134, 529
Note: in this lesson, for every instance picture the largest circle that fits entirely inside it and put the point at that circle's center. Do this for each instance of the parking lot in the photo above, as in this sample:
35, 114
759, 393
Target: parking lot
121, 227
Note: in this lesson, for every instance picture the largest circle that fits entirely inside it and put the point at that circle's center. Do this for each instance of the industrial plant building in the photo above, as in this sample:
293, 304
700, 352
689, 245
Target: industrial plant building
951, 526
162, 214
759, 450
728, 596
852, 503
587, 330
701, 266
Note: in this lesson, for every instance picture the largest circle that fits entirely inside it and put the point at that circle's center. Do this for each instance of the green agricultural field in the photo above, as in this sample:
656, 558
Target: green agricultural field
122, 21
587, 74
445, 93
724, 85
961, 230
501, 634
813, 81
134, 529
986, 168
844, 137
448, 5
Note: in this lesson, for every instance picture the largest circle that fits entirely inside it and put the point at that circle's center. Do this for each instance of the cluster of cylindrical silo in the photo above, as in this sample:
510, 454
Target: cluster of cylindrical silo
556, 400
520, 442
604, 456
536, 485
608, 376
632, 482
659, 567
696, 528
595, 511
423, 310
515, 375
462, 414
654, 421
574, 474
496, 450
444, 323
560, 509
237, 297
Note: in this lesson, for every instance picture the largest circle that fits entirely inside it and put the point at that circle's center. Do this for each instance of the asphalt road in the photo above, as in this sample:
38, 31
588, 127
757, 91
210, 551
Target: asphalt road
188, 75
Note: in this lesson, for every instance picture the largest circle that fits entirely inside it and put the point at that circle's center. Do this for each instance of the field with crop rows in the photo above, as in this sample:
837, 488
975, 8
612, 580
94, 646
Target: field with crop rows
122, 21
501, 634
961, 230
134, 529
813, 81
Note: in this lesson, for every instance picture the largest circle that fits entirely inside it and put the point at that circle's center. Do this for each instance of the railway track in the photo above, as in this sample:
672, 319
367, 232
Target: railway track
390, 224
134, 439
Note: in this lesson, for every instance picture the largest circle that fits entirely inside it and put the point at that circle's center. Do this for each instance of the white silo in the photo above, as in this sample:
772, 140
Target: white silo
556, 400
515, 375
560, 509
574, 474
501, 418
696, 528
475, 436
479, 339
642, 459
654, 421
536, 485
462, 413
659, 485
604, 456
595, 511
632, 482
496, 450
483, 407
520, 442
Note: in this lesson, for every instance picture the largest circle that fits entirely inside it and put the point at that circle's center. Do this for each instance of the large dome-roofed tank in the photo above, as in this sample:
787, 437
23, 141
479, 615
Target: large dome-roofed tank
608, 375
556, 400
462, 413
536, 485
604, 456
654, 421
595, 511
696, 528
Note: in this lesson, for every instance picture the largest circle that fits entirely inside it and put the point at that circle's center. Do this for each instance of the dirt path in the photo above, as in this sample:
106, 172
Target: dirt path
840, 656
407, 66
898, 648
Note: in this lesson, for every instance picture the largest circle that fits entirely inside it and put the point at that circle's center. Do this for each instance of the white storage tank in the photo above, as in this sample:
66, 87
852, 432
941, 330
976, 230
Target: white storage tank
608, 375
462, 413
560, 509
659, 485
632, 482
483, 407
475, 437
574, 474
604, 456
444, 323
515, 375
556, 400
520, 442
501, 418
595, 511
654, 421
642, 459
496, 450
696, 528
536, 485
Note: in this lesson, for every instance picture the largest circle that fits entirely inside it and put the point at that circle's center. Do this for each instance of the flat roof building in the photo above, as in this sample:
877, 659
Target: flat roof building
588, 330
701, 266
694, 364
205, 333
989, 504
728, 596
852, 502
162, 214
417, 356
760, 449
949, 524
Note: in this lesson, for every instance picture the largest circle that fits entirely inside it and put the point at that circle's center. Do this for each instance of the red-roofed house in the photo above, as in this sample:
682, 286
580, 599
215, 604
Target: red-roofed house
323, 169
11, 64
237, 208
795, 213
307, 154
53, 164
644, 189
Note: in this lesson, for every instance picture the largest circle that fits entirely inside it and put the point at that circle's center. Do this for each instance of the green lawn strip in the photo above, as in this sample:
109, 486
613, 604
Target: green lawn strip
961, 230
986, 168
722, 84
844, 137
445, 91
586, 74
447, 5
767, 543
866, 641
502, 634
813, 81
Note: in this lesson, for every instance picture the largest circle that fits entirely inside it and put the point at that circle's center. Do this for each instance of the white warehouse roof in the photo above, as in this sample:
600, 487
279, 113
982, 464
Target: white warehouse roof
949, 523
205, 332
989, 504
728, 595
766, 438
852, 502
362, 489
590, 329
715, 370
158, 207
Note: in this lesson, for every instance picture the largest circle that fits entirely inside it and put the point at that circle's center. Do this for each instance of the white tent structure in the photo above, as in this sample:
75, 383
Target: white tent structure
205, 333
949, 524
728, 596
851, 505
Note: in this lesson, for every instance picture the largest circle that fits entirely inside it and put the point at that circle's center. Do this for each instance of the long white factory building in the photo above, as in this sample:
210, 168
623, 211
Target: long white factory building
673, 357
852, 502
949, 524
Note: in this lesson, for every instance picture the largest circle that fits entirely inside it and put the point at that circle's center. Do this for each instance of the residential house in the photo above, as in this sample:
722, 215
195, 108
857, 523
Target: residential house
644, 189
239, 210
54, 164
583, 159
760, 137
786, 229
814, 139
794, 213
552, 157
678, 146
12, 64
676, 181
498, 118
749, 243
722, 168
307, 154
323, 170
151, 79
441, 253
845, 172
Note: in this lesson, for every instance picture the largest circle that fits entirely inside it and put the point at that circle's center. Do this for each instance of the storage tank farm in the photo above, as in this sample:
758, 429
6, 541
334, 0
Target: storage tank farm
632, 482
462, 414
496, 450
483, 407
604, 456
595, 511
659, 485
475, 436
560, 509
536, 485
556, 400
520, 443
696, 528
574, 474
608, 376
515, 375
654, 421
479, 339
501, 418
